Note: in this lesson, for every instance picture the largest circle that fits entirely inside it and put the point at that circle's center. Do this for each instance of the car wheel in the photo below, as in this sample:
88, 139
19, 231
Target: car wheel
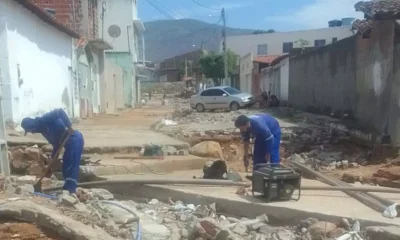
200, 107
235, 106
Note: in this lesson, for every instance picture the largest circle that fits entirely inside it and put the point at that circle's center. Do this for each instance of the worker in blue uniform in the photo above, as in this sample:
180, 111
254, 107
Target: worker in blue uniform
55, 126
267, 133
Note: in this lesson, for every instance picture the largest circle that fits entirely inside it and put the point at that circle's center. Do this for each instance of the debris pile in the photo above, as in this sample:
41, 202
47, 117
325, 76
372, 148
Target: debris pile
27, 160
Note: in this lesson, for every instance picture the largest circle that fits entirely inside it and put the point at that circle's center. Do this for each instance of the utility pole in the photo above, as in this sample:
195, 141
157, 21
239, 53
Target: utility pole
224, 45
185, 67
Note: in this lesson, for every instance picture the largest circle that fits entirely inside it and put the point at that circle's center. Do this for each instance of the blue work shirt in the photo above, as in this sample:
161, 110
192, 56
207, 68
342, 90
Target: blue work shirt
52, 126
262, 127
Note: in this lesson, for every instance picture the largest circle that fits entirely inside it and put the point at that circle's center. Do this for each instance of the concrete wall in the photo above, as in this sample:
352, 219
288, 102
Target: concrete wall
358, 76
124, 61
323, 81
246, 71
113, 85
244, 44
38, 62
276, 80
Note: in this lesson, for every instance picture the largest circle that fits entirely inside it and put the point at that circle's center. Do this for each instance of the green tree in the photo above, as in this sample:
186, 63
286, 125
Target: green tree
212, 65
303, 44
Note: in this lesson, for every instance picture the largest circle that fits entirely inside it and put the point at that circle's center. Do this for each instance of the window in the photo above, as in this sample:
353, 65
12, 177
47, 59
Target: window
334, 39
287, 47
319, 43
212, 93
231, 91
262, 49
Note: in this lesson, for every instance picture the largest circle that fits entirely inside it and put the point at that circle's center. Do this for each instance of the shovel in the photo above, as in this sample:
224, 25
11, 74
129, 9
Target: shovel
38, 185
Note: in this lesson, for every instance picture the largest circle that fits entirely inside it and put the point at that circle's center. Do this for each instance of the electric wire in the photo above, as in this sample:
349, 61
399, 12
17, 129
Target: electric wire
175, 14
166, 14
204, 6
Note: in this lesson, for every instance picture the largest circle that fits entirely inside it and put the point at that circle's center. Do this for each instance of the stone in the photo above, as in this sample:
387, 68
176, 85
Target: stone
102, 194
47, 148
207, 149
284, 235
381, 232
18, 159
321, 229
266, 229
308, 222
345, 164
263, 218
337, 232
344, 223
239, 229
154, 201
68, 200
81, 207
174, 229
354, 165
257, 226
33, 153
24, 189
233, 220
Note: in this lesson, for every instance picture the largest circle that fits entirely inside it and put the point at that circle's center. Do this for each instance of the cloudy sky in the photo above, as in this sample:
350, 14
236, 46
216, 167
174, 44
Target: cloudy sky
283, 15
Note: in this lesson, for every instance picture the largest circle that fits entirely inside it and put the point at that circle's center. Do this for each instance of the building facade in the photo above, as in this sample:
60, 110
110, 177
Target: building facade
35, 61
280, 43
119, 25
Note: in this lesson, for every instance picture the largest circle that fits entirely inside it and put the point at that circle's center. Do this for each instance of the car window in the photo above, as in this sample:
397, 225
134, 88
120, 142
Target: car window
232, 91
205, 93
217, 93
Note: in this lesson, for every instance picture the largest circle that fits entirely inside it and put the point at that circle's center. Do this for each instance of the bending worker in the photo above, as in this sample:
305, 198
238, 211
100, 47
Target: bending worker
267, 132
55, 126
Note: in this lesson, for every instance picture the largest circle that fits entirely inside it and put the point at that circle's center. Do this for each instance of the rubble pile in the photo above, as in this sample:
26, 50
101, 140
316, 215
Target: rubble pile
27, 160
163, 87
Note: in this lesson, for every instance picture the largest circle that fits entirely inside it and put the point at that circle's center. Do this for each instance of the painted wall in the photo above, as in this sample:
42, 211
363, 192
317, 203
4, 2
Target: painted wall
246, 70
112, 87
38, 68
357, 76
275, 40
124, 61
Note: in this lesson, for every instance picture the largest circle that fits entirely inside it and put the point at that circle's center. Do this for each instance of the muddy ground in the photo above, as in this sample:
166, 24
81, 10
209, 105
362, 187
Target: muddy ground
12, 230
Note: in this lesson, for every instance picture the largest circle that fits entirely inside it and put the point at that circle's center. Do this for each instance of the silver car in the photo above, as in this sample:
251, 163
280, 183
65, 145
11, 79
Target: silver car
222, 97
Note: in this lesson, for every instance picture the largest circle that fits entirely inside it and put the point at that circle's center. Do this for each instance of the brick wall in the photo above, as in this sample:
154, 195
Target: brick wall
65, 13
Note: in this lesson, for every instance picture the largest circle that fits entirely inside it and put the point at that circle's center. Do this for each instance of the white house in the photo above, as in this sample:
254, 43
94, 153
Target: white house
282, 42
35, 61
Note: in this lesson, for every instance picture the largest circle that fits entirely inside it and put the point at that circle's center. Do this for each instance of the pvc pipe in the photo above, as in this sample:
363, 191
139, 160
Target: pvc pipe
139, 231
372, 203
206, 182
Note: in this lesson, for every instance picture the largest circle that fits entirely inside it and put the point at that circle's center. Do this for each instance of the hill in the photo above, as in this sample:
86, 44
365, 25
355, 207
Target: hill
168, 38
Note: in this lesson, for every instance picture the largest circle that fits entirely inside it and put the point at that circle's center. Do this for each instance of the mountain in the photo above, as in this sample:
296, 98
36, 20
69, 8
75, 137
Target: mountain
168, 38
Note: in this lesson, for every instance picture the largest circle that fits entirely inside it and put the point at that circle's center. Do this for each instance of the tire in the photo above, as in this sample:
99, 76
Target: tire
200, 107
234, 106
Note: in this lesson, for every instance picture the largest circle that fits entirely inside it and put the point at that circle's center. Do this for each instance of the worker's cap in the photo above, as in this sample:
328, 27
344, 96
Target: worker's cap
29, 125
241, 121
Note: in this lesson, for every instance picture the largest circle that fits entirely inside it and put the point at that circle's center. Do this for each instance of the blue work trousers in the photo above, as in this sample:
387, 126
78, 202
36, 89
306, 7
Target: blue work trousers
261, 149
71, 161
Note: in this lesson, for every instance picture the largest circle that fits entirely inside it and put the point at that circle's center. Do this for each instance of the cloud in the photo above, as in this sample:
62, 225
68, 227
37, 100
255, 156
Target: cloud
317, 14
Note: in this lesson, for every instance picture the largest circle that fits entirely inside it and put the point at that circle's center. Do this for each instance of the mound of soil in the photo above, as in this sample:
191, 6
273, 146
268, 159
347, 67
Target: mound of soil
26, 231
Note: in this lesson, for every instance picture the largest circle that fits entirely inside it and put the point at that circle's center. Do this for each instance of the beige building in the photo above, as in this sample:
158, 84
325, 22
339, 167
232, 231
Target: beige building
282, 42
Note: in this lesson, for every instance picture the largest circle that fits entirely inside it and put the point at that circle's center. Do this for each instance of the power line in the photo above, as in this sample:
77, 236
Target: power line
175, 14
166, 14
204, 6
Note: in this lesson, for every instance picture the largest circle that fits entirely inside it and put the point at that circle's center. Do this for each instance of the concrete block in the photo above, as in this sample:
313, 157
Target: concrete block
240, 229
68, 200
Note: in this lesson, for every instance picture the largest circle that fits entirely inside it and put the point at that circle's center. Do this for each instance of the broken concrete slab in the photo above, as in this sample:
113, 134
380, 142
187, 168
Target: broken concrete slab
387, 233
48, 218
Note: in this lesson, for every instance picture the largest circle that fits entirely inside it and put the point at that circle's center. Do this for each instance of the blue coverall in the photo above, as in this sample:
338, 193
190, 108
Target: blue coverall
267, 132
53, 127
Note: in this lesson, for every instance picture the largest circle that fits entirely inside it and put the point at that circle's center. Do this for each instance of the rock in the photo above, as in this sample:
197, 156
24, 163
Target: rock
102, 194
387, 233
207, 149
174, 229
233, 220
202, 211
263, 218
68, 200
47, 148
266, 229
391, 173
24, 189
284, 235
308, 222
33, 154
350, 178
81, 207
344, 223
257, 226
233, 176
321, 229
240, 229
206, 228
354, 165
36, 168
154, 201
337, 232
26, 179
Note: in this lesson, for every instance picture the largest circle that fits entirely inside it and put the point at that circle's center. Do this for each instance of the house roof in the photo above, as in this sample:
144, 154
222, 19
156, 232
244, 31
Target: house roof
387, 9
269, 59
46, 17
362, 27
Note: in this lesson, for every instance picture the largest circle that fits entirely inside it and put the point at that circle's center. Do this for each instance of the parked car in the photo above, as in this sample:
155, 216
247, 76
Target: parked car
222, 97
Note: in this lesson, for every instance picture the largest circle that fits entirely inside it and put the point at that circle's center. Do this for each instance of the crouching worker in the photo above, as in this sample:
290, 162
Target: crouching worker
55, 126
267, 133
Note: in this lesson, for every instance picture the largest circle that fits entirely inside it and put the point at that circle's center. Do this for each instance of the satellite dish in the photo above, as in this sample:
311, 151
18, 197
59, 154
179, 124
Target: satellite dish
114, 31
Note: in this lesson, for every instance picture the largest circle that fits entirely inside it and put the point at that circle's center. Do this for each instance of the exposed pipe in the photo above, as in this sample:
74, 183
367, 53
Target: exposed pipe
372, 203
206, 182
